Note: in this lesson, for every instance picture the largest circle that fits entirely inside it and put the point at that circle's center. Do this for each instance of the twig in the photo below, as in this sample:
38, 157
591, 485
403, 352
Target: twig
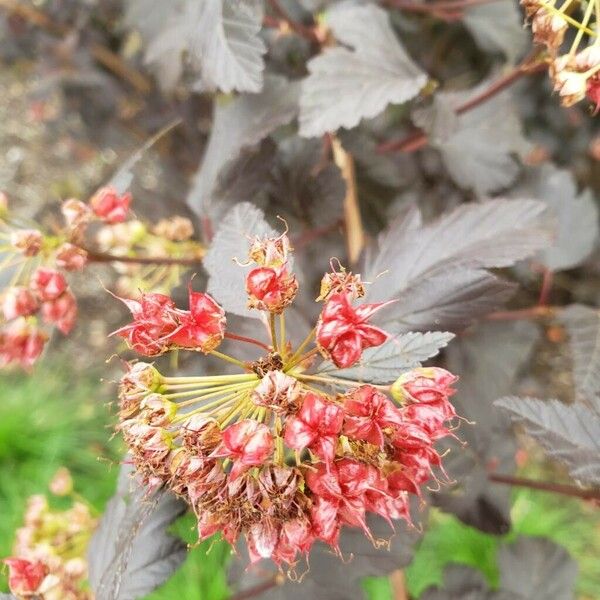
107, 58
454, 8
248, 340
397, 581
418, 139
258, 589
546, 288
105, 257
308, 33
546, 486
312, 234
533, 312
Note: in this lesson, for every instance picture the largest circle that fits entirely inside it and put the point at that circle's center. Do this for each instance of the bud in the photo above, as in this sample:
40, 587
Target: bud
548, 29
19, 302
109, 205
25, 577
61, 312
76, 213
342, 281
270, 252
28, 241
278, 392
48, 284
271, 289
200, 434
426, 384
71, 257
142, 376
568, 82
157, 410
175, 229
247, 443
62, 482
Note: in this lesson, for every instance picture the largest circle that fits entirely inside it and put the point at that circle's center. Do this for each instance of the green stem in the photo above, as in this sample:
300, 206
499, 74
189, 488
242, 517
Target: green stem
282, 334
208, 392
236, 387
228, 358
300, 350
272, 330
586, 18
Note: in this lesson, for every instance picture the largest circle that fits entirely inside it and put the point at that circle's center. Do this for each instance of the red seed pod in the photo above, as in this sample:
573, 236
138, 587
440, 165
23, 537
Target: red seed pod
271, 289
25, 577
109, 205
71, 257
343, 331
19, 302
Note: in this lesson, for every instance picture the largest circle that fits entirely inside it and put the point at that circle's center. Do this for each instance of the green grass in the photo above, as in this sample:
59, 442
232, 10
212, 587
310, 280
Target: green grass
57, 417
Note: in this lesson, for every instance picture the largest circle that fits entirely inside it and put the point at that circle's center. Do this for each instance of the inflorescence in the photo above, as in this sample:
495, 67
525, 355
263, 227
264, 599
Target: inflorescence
38, 296
279, 453
575, 74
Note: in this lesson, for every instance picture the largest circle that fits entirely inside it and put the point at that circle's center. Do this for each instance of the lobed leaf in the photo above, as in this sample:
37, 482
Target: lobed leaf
445, 258
219, 39
346, 85
477, 148
487, 363
498, 26
583, 326
569, 433
535, 568
131, 552
464, 583
570, 211
241, 123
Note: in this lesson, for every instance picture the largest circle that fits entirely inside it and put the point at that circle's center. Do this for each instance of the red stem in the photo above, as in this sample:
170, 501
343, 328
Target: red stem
418, 139
436, 7
312, 234
545, 486
547, 281
258, 589
248, 340
104, 257
533, 312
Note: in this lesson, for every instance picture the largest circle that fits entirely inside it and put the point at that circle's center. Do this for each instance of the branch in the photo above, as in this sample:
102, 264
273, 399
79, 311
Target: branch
105, 257
308, 33
258, 589
445, 9
545, 486
533, 312
418, 139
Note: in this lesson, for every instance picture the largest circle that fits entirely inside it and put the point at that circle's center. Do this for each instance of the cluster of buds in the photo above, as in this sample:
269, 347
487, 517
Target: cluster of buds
47, 297
49, 552
38, 293
576, 74
279, 454
577, 77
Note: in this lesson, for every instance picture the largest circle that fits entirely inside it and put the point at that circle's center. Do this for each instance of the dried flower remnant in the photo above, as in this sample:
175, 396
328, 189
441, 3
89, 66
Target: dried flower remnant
276, 454
49, 552
576, 74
